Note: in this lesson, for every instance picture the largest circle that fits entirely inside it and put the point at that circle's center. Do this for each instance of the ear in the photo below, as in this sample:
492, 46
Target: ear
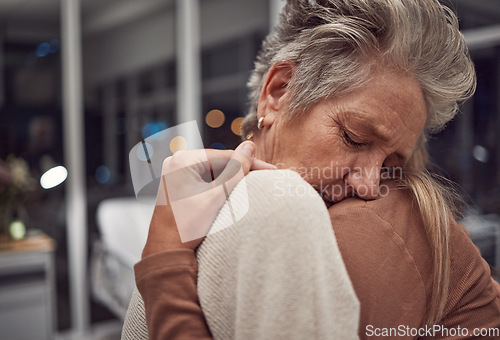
273, 94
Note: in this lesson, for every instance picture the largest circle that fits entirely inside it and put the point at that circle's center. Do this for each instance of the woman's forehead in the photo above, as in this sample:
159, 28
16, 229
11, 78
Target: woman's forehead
388, 99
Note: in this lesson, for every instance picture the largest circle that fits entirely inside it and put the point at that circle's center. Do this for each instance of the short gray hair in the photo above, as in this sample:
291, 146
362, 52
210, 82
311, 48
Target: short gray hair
335, 44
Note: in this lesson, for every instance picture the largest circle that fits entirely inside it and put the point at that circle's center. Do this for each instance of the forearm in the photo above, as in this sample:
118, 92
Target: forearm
167, 283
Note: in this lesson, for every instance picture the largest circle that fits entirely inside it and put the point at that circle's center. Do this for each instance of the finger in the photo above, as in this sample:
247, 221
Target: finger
200, 157
245, 154
207, 203
216, 166
220, 155
242, 158
190, 157
261, 165
238, 165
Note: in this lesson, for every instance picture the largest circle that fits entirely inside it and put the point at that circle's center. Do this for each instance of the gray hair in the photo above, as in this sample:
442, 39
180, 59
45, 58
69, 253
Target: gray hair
336, 44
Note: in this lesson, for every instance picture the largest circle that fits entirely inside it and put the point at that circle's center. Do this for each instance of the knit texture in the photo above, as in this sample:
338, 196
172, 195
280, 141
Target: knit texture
275, 272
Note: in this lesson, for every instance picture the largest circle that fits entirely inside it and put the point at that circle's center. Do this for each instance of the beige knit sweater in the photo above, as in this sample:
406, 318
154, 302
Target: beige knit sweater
275, 273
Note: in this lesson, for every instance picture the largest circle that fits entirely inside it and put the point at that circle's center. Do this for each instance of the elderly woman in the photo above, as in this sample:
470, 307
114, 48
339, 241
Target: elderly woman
344, 92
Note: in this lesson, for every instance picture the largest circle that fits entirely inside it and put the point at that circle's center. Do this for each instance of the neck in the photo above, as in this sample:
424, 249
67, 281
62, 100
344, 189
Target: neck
259, 147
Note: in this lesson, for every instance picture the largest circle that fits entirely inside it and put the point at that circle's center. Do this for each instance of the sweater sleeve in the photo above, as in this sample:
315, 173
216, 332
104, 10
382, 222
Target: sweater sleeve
167, 283
472, 304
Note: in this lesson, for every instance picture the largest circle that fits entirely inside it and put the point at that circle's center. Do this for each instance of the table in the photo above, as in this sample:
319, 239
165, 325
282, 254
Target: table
27, 288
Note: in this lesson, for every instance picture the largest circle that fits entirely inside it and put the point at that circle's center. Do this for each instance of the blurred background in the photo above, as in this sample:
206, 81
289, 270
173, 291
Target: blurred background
145, 66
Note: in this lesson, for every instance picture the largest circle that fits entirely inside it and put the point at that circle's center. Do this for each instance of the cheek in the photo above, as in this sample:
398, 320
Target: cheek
340, 160
318, 155
327, 166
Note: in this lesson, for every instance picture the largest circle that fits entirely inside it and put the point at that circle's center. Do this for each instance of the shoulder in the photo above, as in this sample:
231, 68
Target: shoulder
391, 219
272, 198
383, 244
277, 267
269, 191
394, 214
275, 182
472, 299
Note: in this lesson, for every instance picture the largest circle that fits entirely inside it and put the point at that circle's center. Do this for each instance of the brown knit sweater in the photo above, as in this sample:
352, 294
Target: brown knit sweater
388, 258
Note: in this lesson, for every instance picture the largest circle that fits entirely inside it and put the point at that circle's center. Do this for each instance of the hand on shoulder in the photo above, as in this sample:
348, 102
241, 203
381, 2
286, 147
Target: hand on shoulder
194, 185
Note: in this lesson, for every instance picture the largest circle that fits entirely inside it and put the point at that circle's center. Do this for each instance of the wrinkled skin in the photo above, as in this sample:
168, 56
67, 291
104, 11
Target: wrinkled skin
341, 145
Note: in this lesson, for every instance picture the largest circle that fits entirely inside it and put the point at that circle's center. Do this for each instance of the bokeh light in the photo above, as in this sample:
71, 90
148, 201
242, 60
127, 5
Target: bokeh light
152, 128
178, 143
215, 118
53, 177
102, 174
480, 153
236, 126
17, 229
43, 49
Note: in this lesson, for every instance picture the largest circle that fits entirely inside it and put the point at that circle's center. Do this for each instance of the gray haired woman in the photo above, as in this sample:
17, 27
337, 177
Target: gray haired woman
345, 93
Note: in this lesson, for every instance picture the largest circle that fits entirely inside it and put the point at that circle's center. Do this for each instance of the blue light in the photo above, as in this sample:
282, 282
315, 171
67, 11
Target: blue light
42, 50
148, 130
102, 174
152, 128
161, 126
218, 146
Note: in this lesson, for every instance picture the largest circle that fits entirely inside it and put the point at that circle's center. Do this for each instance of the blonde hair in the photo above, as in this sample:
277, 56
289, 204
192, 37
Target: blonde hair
335, 46
439, 203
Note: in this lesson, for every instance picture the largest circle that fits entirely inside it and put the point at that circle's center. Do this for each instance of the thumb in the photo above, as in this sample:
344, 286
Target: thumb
245, 154
238, 166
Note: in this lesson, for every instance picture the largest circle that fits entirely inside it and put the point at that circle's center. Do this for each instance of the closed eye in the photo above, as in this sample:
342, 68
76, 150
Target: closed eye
351, 142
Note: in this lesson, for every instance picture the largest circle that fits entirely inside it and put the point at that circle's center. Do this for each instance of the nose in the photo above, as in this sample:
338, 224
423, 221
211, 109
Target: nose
365, 182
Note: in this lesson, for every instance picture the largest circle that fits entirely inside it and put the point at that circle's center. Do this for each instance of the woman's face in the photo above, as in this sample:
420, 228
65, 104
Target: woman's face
341, 145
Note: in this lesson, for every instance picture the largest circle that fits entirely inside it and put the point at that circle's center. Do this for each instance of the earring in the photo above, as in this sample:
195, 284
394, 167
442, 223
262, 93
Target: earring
260, 124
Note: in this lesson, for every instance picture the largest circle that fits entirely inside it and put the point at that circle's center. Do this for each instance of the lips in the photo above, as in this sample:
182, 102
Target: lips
329, 201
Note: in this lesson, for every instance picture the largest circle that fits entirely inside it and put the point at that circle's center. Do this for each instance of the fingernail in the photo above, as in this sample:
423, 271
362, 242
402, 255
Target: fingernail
248, 149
